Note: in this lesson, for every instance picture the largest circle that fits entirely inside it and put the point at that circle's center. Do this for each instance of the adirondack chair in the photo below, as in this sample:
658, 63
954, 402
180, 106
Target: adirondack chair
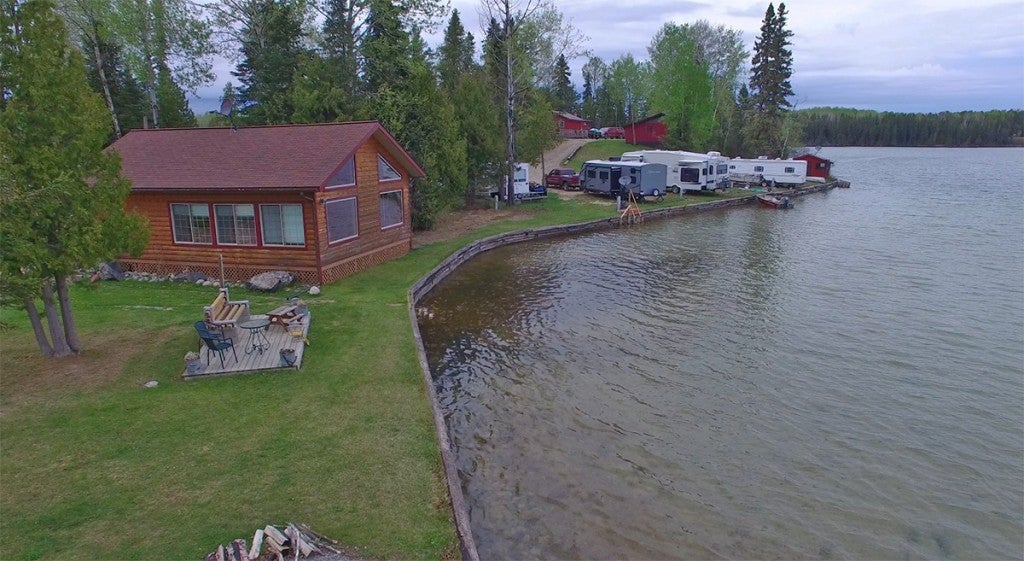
215, 342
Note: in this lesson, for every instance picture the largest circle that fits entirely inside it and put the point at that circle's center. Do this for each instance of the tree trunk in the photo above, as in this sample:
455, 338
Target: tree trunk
510, 86
147, 53
60, 344
68, 318
103, 79
37, 327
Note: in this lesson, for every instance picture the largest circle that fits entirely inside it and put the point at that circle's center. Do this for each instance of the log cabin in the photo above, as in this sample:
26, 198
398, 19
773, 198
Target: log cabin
321, 201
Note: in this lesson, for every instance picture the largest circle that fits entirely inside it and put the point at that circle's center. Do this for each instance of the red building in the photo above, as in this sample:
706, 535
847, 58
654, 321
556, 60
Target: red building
320, 201
816, 166
648, 132
571, 126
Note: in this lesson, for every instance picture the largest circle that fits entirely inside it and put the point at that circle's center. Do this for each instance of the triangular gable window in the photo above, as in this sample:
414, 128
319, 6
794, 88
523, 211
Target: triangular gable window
384, 170
346, 175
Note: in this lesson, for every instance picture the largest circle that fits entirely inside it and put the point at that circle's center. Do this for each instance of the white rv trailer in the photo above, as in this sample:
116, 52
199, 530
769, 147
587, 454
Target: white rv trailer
769, 172
687, 171
523, 189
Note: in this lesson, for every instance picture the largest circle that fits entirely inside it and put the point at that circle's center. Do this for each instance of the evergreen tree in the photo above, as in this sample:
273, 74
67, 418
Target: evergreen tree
341, 41
562, 90
271, 50
480, 125
320, 93
771, 68
164, 41
386, 47
61, 196
126, 97
455, 56
171, 101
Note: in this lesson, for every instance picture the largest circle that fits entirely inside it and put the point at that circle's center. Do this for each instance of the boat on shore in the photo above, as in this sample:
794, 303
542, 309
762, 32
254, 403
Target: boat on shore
772, 201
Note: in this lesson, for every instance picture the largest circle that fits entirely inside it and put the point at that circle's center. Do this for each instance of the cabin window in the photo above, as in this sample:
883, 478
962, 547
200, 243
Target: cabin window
689, 175
385, 171
236, 224
723, 169
342, 220
758, 168
345, 175
591, 174
282, 225
821, 165
391, 209
790, 170
561, 124
191, 223
732, 167
603, 175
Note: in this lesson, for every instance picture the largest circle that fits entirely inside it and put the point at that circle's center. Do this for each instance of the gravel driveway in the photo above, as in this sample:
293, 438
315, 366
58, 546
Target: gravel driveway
554, 157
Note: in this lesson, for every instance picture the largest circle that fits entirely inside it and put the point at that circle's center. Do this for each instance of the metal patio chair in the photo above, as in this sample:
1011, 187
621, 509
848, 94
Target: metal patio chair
215, 342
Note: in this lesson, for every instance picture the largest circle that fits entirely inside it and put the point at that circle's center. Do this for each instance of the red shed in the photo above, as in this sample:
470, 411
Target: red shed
321, 201
649, 131
817, 166
571, 126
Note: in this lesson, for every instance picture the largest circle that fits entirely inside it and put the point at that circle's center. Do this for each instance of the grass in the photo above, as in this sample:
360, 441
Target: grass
601, 150
93, 466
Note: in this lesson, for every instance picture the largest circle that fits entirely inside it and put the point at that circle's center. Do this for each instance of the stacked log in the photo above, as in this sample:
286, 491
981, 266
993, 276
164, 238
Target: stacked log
287, 544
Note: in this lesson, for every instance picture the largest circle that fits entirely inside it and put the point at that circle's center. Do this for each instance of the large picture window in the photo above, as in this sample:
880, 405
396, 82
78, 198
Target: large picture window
342, 220
236, 224
346, 175
385, 171
282, 225
391, 209
191, 223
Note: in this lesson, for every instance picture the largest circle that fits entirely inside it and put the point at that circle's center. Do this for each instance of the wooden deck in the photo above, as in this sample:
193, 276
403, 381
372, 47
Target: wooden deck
269, 359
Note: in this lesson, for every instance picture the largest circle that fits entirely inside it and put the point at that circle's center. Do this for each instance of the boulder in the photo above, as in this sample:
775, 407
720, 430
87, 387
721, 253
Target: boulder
271, 281
314, 290
110, 271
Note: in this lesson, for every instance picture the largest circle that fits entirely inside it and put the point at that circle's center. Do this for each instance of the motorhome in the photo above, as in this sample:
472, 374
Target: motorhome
687, 171
769, 172
606, 177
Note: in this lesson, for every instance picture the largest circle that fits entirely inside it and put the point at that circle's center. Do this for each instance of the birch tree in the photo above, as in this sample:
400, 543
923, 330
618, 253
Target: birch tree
526, 38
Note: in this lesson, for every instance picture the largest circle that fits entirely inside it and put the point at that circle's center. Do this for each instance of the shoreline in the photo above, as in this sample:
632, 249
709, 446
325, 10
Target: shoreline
419, 289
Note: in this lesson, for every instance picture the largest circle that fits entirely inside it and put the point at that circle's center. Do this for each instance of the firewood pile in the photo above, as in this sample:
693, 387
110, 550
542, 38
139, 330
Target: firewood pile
288, 544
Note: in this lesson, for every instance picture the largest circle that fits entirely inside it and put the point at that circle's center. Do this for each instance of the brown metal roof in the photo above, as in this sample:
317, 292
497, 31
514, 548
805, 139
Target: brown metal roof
571, 117
267, 157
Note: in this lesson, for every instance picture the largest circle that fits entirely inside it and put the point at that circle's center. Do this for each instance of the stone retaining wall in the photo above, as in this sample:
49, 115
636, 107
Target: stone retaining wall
460, 508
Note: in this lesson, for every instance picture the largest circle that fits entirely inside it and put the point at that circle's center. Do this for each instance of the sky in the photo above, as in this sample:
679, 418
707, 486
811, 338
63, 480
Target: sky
903, 56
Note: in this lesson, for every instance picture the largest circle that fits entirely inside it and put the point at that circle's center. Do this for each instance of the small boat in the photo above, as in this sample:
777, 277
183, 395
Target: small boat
772, 201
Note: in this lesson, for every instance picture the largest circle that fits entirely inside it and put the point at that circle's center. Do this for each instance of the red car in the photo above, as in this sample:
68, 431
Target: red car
614, 132
562, 178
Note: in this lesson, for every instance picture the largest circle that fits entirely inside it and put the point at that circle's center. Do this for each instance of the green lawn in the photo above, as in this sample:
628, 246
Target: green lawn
601, 150
93, 466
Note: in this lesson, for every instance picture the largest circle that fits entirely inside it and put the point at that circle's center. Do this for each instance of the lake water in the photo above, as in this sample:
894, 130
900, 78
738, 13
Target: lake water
844, 380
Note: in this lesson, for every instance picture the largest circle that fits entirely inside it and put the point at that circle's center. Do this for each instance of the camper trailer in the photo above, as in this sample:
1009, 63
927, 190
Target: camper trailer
613, 178
687, 171
768, 172
524, 190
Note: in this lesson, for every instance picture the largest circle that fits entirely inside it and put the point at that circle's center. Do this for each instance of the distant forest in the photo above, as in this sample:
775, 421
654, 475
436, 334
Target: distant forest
833, 126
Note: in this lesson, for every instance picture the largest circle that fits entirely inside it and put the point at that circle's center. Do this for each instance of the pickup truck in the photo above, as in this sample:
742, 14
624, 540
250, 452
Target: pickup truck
562, 178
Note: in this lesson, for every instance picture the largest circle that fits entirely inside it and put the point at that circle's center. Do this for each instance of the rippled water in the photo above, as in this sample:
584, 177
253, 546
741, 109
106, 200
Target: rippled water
841, 380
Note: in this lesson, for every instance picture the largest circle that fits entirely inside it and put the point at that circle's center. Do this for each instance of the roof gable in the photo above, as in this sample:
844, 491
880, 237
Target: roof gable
267, 157
655, 117
571, 117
